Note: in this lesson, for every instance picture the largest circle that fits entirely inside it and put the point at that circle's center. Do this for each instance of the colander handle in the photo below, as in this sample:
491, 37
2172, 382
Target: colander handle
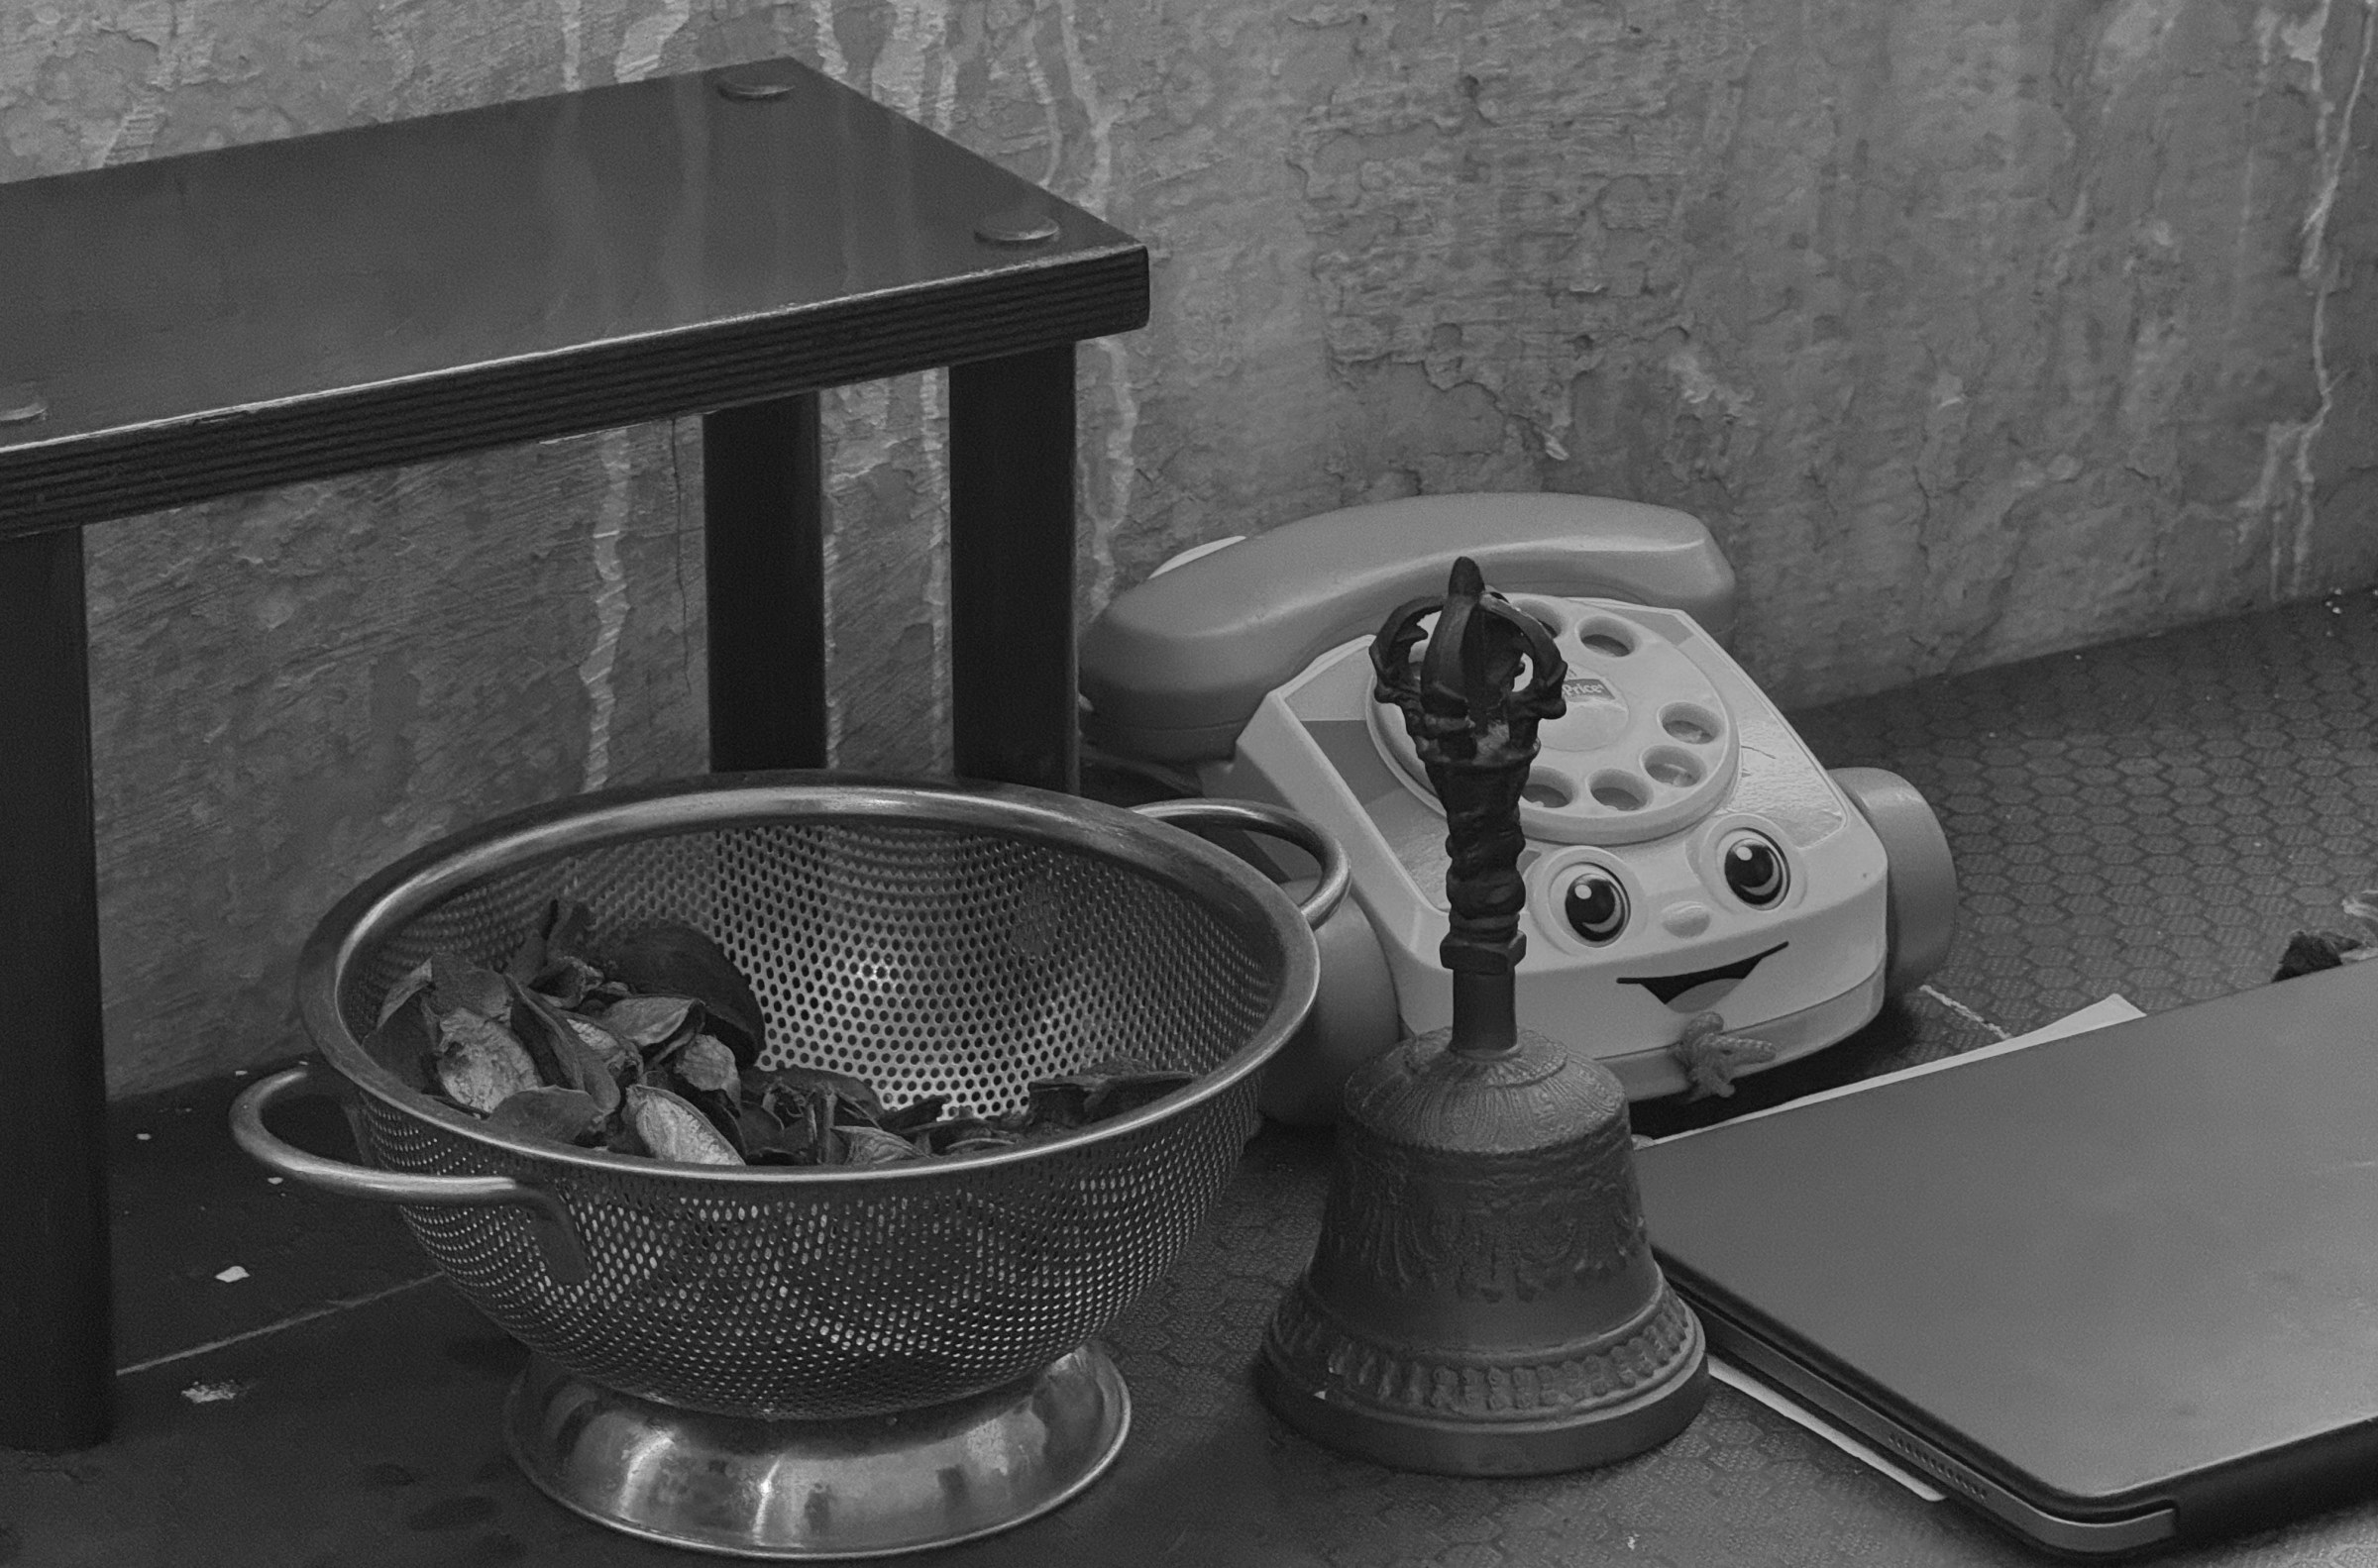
1256, 816
549, 1220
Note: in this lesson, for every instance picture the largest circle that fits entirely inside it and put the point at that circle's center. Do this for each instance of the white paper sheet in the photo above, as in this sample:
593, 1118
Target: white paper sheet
2097, 1015
1734, 1377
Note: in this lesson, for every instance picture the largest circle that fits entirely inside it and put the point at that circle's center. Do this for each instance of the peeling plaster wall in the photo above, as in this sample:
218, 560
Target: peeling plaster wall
1975, 328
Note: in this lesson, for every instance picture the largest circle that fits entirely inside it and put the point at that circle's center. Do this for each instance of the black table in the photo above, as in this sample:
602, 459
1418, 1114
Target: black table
725, 243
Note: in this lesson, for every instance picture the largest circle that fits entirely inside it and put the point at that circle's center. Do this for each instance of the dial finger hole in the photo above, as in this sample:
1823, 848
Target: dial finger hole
1675, 768
1606, 637
1694, 726
1619, 791
1549, 791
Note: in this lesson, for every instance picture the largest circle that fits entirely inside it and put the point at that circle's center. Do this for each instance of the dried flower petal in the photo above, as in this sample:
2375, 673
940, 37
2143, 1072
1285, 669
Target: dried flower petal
874, 1146
803, 1122
707, 1063
1126, 1092
1102, 1089
675, 1130
406, 1042
568, 982
646, 1021
405, 989
565, 1060
560, 1115
457, 985
479, 1064
669, 957
614, 1052
761, 1132
559, 940
857, 1092
991, 1142
915, 1115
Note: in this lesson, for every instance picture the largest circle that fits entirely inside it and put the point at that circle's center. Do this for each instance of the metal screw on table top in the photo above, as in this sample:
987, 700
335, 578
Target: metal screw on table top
754, 89
21, 405
1026, 222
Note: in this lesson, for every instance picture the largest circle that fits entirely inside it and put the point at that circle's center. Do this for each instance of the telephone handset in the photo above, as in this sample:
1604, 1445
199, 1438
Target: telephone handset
1691, 867
1176, 666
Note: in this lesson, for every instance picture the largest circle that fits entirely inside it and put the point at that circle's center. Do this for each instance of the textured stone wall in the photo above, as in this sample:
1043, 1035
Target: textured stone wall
1974, 327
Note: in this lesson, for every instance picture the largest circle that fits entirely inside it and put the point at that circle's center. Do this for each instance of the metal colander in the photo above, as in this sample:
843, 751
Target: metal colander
928, 939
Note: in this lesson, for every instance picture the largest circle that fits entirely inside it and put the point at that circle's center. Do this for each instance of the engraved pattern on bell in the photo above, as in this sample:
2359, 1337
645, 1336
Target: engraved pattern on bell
1485, 1225
1315, 1348
1480, 1228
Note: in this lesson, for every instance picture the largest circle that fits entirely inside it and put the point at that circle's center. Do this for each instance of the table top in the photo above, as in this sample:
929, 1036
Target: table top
252, 316
2153, 817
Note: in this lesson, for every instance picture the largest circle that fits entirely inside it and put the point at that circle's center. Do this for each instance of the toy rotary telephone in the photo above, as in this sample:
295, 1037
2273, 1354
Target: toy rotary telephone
1705, 899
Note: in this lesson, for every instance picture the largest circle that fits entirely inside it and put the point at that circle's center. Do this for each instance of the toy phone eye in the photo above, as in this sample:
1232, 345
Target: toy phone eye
1595, 905
1754, 869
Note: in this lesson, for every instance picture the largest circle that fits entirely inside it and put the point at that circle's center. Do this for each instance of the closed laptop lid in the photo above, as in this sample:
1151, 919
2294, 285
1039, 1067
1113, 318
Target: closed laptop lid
2099, 1269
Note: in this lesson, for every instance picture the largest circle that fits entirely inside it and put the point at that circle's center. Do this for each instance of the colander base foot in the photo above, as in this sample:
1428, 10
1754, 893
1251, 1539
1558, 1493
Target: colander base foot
819, 1490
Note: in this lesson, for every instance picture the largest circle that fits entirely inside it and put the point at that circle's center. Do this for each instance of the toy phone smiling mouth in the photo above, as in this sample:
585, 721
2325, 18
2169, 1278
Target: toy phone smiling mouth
1691, 867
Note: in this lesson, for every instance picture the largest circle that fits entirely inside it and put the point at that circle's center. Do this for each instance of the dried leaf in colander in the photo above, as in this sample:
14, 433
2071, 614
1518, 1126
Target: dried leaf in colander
647, 1021
990, 1142
405, 989
668, 958
1128, 1092
914, 1116
857, 1092
558, 1115
874, 1146
762, 1137
1056, 1104
808, 1129
673, 1130
616, 1054
707, 1063
724, 1111
479, 1064
406, 1043
559, 939
563, 1058
1100, 1090
568, 982
455, 985
569, 929
956, 1135
601, 995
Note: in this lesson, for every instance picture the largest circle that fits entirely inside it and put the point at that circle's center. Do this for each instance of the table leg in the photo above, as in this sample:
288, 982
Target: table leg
763, 481
57, 1351
1011, 570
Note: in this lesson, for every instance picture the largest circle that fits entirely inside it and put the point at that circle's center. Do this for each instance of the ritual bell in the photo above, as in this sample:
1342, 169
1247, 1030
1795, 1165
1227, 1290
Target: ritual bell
1482, 1300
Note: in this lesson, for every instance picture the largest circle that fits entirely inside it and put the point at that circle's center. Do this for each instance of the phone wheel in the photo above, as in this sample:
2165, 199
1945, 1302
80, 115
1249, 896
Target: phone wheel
1922, 899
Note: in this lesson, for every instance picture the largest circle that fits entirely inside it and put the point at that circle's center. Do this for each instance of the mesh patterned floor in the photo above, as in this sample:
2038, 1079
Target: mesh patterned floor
2152, 817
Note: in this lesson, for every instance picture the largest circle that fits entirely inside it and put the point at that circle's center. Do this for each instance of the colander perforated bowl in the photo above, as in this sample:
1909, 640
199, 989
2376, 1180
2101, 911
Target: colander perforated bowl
931, 939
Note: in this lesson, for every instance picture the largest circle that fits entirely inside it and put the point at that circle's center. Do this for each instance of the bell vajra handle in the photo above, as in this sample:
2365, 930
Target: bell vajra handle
1473, 720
